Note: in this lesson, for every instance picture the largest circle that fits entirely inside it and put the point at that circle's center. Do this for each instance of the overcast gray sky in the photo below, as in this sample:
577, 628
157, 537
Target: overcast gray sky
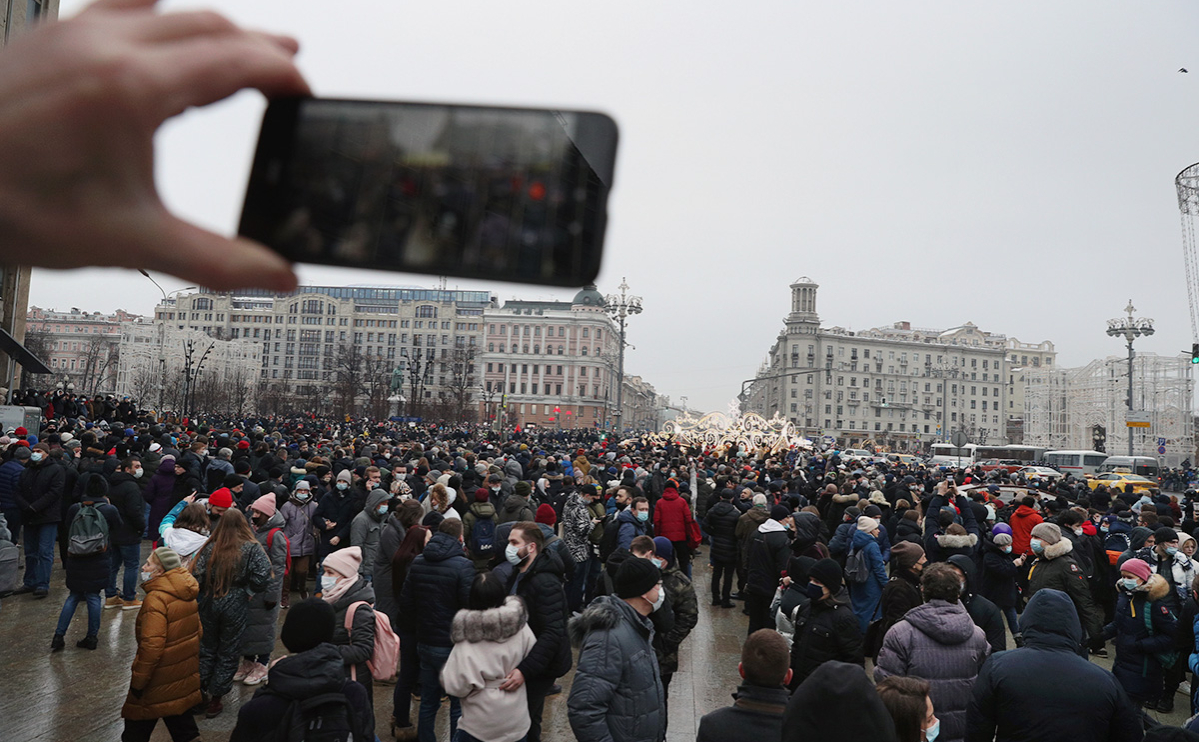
935, 162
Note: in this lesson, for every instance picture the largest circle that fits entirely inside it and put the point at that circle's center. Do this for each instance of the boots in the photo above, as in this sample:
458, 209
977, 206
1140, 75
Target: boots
87, 642
57, 643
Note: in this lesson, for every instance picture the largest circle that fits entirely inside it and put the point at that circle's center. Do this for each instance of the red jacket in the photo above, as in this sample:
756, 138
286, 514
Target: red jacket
1022, 523
672, 516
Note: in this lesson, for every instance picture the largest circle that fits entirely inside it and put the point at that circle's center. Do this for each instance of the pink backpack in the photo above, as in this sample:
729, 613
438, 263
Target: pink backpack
386, 656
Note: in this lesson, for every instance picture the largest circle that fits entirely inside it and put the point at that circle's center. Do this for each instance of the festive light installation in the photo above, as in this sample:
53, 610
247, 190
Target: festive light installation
719, 432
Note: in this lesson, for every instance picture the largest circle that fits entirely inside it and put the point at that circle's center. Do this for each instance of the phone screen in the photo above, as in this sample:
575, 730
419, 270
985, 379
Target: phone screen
493, 193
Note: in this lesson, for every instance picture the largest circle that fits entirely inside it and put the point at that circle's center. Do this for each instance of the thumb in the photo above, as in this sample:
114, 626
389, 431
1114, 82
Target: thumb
218, 262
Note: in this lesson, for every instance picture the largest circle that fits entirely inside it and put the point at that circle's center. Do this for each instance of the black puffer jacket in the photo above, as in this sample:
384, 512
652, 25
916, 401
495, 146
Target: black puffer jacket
437, 587
808, 531
908, 530
829, 631
125, 494
999, 576
40, 492
541, 588
985, 614
1021, 694
721, 525
769, 551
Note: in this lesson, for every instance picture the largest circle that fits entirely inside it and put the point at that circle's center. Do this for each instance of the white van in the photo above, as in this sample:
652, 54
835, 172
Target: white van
1145, 466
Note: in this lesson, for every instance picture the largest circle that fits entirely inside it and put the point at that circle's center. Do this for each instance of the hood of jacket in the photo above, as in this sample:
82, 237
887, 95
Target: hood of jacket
180, 583
1050, 621
1023, 512
491, 625
1137, 537
626, 516
807, 526
837, 702
1156, 588
483, 509
275, 521
957, 542
307, 674
513, 503
441, 547
947, 623
373, 501
184, 541
603, 614
670, 493
966, 564
1061, 548
860, 539
849, 499
770, 525
166, 466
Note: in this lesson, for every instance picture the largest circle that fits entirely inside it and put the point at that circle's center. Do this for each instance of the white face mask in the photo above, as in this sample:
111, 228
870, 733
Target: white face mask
512, 554
35, 457
147, 576
328, 582
137, 473
661, 597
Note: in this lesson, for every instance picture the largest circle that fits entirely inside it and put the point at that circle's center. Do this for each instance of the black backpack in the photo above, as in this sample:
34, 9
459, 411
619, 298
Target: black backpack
482, 537
327, 717
609, 541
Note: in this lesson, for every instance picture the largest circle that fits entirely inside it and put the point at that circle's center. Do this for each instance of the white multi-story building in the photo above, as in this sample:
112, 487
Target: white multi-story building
895, 386
1023, 359
336, 347
1062, 407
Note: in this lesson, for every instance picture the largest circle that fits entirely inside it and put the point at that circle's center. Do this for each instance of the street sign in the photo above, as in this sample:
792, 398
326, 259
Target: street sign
1136, 419
1161, 449
1161, 441
959, 438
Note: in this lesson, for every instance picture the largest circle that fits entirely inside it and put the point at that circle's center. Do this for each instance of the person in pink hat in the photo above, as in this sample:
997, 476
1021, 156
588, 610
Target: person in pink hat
1144, 632
259, 639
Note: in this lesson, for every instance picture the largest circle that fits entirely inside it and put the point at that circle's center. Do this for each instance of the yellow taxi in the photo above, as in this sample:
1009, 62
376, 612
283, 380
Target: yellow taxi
1121, 480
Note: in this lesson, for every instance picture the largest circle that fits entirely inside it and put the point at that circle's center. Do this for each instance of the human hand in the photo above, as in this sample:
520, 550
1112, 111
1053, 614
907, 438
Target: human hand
330, 525
335, 540
80, 101
513, 681
190, 498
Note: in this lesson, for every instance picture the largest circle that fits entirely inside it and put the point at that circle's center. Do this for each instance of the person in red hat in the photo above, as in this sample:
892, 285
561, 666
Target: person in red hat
21, 432
546, 515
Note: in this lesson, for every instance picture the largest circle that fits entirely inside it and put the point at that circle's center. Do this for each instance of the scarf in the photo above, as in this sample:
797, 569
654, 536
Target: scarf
341, 588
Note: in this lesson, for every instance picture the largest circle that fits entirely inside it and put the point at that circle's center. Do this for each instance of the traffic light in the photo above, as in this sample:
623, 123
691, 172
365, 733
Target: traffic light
1194, 352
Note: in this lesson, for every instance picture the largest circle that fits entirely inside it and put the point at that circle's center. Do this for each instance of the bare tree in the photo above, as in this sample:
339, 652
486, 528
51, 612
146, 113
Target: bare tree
38, 343
420, 371
463, 362
98, 364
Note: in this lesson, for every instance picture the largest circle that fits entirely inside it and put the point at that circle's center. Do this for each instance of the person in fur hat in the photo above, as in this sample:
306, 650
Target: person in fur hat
1056, 568
1143, 630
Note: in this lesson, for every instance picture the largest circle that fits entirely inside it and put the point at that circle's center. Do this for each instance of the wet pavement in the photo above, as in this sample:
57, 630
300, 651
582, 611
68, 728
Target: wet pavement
77, 694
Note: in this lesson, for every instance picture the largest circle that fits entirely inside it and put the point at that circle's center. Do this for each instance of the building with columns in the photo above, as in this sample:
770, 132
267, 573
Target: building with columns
81, 348
895, 386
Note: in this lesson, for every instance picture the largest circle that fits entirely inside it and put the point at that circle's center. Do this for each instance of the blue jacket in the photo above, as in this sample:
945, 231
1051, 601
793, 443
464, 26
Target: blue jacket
10, 473
436, 588
865, 596
1136, 667
629, 527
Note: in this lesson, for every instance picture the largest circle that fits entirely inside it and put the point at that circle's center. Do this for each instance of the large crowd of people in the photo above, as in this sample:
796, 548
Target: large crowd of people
907, 603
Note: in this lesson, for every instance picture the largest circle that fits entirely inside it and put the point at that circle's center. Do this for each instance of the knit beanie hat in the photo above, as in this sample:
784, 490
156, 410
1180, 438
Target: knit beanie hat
904, 554
345, 562
482, 494
663, 548
1001, 539
265, 504
309, 623
867, 524
780, 512
522, 488
1164, 534
345, 476
222, 498
635, 577
546, 514
168, 558
828, 573
1049, 533
1138, 568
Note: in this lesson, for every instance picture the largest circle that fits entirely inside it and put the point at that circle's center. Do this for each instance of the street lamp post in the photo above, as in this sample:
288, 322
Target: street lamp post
1130, 328
621, 306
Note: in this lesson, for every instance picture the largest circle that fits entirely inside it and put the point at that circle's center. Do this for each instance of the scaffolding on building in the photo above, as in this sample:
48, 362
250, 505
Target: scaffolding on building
1063, 406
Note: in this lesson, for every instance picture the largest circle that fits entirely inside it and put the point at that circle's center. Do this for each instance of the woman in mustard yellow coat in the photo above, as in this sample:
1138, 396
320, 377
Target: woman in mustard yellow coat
166, 671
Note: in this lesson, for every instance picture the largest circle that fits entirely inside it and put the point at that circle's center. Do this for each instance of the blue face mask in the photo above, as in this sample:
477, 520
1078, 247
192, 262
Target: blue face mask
932, 732
1007, 550
1036, 546
1171, 550
643, 515
1128, 583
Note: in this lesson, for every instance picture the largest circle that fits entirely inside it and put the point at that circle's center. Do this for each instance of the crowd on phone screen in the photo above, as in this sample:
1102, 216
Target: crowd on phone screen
462, 563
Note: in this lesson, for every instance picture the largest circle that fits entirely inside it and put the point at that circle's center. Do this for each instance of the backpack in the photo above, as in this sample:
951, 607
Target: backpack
88, 532
270, 537
327, 717
610, 539
855, 566
386, 655
482, 537
1167, 659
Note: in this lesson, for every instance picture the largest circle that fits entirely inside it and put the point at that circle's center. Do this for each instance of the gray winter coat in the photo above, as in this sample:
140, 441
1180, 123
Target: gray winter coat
939, 642
357, 645
390, 537
364, 531
298, 526
260, 624
617, 693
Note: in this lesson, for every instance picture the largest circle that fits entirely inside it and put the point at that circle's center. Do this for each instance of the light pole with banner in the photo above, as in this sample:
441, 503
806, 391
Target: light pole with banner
620, 307
1130, 328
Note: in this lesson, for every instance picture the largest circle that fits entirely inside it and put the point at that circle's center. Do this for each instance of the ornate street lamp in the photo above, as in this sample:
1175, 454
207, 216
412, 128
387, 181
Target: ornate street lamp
1130, 328
621, 306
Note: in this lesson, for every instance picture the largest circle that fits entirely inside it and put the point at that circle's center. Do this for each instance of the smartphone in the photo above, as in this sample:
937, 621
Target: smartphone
508, 194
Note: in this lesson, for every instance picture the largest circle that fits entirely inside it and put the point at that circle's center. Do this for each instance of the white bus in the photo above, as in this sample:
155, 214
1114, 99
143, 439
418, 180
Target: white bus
1078, 463
947, 454
1024, 454
1145, 466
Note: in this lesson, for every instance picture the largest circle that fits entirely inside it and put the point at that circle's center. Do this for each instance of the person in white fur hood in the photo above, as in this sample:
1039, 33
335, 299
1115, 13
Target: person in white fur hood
491, 638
